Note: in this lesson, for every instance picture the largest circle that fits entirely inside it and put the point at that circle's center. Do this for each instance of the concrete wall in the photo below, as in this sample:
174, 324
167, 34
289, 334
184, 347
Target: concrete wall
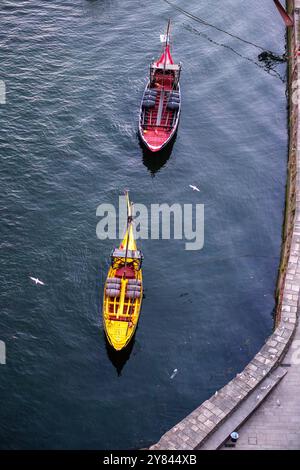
192, 431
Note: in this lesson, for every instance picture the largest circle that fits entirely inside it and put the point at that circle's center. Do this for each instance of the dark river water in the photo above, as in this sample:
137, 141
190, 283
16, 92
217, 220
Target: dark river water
74, 72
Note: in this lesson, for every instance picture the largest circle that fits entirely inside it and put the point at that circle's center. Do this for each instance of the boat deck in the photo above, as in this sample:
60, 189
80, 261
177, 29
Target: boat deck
158, 122
113, 306
156, 137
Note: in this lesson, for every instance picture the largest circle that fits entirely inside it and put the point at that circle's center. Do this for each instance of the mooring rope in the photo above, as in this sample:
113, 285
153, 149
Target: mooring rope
200, 20
266, 68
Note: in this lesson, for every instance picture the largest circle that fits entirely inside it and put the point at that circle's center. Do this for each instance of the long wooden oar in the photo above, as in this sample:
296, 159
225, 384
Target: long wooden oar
285, 16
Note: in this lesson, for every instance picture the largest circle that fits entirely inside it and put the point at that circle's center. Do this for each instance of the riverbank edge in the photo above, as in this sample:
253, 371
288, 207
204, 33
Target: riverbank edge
194, 430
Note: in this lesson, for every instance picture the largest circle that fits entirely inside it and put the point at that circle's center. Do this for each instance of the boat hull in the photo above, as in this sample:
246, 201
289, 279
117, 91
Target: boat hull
155, 136
123, 291
119, 325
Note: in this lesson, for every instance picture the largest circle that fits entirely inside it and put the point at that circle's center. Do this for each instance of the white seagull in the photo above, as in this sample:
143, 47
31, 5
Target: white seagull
194, 188
37, 281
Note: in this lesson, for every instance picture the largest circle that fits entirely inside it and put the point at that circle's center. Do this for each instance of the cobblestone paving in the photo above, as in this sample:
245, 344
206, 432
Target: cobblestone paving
276, 423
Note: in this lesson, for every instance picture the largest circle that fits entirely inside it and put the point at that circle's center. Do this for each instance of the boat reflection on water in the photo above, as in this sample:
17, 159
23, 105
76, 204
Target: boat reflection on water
155, 161
119, 358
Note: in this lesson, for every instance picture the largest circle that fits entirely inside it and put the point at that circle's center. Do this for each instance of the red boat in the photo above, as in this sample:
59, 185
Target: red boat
161, 103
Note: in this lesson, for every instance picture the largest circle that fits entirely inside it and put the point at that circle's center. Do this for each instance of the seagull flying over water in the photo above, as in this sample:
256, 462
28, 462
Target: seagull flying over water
37, 281
194, 188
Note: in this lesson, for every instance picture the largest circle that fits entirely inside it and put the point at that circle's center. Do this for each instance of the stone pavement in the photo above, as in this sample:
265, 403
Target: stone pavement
276, 423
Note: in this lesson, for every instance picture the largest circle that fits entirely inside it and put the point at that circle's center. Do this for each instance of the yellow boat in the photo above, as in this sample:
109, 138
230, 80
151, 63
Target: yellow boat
123, 291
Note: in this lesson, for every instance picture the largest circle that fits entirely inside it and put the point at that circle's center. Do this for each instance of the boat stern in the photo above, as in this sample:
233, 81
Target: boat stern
155, 140
118, 334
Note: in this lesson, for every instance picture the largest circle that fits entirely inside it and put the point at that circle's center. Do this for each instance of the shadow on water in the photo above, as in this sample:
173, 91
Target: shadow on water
119, 358
154, 162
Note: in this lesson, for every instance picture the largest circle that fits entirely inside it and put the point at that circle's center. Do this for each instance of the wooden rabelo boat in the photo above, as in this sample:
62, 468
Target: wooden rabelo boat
123, 291
161, 103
